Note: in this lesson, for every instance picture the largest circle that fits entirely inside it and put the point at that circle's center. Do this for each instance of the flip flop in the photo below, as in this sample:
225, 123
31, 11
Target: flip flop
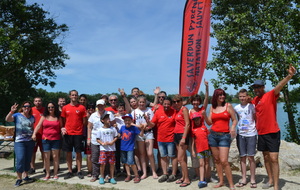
253, 185
240, 184
184, 184
179, 181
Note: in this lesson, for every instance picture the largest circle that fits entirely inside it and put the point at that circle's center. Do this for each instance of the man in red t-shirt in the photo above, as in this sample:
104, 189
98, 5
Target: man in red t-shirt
267, 126
164, 121
113, 101
73, 118
37, 112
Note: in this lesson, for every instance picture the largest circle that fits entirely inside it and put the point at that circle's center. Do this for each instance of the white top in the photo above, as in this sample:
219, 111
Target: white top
97, 124
246, 124
138, 115
107, 135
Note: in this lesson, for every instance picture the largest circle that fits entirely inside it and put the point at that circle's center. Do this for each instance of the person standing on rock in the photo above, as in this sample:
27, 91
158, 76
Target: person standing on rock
246, 138
267, 126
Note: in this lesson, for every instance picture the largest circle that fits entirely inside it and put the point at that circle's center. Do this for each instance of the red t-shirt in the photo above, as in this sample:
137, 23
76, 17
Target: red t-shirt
74, 118
180, 122
200, 134
165, 123
37, 114
51, 130
265, 108
111, 109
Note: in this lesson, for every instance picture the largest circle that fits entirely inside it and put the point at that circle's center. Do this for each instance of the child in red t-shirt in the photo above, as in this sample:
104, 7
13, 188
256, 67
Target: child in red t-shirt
200, 142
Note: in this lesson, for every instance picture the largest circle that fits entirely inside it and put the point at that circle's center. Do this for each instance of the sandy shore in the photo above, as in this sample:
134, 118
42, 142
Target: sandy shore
288, 181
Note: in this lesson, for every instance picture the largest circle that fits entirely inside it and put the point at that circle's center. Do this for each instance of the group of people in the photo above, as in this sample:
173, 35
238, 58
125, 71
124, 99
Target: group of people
126, 134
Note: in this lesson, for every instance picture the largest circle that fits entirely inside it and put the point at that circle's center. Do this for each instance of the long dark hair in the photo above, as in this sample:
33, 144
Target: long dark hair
56, 110
217, 93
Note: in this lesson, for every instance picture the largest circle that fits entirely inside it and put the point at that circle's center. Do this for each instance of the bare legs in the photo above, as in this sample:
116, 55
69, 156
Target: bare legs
272, 167
221, 160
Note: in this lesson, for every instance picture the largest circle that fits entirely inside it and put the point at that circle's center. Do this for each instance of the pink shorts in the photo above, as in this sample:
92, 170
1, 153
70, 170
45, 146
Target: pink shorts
107, 157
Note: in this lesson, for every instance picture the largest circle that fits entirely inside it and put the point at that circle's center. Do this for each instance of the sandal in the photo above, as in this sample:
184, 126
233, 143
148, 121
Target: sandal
240, 184
179, 181
218, 185
253, 185
184, 184
136, 180
46, 178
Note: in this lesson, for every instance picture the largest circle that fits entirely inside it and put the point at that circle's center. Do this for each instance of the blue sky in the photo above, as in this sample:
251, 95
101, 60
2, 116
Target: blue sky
120, 44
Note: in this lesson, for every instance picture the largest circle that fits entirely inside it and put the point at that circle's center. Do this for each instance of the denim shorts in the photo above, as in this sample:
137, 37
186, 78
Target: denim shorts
127, 157
49, 145
246, 145
167, 149
219, 139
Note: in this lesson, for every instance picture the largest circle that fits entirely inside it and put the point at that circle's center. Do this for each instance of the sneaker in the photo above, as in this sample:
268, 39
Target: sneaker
112, 181
18, 182
171, 178
136, 180
80, 176
28, 179
128, 178
68, 176
202, 184
31, 171
46, 178
163, 178
55, 178
101, 180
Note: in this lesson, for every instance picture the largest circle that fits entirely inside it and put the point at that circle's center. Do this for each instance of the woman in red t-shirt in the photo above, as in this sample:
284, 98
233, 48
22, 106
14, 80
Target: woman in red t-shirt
181, 137
50, 137
220, 134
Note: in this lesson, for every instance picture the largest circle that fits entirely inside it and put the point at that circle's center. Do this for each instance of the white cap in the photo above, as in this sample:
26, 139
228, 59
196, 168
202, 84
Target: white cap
101, 101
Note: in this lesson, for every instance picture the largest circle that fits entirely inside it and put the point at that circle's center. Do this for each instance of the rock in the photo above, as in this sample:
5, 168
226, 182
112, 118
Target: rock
289, 157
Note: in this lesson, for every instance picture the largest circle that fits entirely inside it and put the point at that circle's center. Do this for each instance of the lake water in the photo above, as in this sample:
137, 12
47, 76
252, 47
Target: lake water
282, 117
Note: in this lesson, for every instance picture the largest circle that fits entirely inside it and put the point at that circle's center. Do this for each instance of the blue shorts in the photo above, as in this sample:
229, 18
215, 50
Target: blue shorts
167, 149
127, 157
246, 145
219, 139
49, 145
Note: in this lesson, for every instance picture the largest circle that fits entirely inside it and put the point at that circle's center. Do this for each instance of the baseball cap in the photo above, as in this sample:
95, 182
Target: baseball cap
101, 102
259, 83
196, 115
127, 116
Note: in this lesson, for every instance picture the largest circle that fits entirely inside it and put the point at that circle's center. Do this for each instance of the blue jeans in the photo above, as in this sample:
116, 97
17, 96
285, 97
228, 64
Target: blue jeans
167, 149
23, 152
127, 157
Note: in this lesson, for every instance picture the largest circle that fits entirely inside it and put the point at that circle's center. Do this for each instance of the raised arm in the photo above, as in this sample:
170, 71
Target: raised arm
284, 81
9, 117
127, 104
156, 92
205, 101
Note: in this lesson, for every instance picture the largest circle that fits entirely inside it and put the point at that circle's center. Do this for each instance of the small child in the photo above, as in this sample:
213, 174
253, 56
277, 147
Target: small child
128, 133
200, 142
246, 138
107, 137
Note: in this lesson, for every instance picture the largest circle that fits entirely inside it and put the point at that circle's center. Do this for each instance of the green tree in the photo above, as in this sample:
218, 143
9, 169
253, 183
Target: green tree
257, 39
30, 50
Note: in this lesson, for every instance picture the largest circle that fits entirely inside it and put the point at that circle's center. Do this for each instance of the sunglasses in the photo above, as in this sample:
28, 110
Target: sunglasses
176, 101
113, 100
162, 97
51, 107
26, 106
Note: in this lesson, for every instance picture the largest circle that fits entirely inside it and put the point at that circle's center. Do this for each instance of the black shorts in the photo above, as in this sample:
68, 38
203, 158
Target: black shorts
72, 141
178, 137
269, 142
